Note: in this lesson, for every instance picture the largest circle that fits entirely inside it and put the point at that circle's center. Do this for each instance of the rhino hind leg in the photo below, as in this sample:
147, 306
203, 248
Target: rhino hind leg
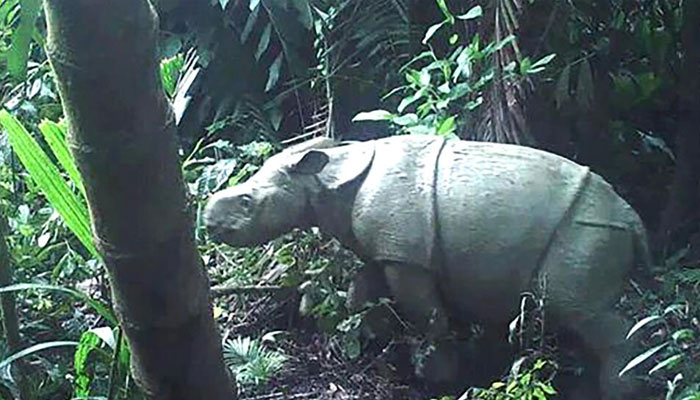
581, 279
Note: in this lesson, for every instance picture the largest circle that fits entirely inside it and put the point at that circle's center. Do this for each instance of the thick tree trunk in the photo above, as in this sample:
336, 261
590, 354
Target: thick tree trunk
103, 53
680, 217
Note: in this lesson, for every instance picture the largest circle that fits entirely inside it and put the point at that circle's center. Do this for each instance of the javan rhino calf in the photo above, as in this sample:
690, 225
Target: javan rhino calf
458, 228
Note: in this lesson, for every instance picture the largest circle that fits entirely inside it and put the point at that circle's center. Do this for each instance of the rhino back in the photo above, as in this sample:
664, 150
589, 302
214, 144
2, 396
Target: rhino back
497, 209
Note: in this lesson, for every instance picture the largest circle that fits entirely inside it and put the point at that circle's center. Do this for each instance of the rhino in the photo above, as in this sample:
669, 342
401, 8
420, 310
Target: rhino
458, 229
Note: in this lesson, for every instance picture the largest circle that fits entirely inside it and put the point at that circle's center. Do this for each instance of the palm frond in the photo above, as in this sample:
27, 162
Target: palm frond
502, 117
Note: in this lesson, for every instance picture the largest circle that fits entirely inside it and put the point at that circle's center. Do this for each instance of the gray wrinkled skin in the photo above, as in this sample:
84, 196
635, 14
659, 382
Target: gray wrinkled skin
458, 228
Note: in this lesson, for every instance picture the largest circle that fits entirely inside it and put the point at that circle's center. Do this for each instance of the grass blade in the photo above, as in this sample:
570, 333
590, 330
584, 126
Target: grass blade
100, 308
33, 349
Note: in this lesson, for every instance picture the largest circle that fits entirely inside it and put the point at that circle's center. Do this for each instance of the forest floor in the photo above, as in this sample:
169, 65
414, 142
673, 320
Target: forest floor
316, 367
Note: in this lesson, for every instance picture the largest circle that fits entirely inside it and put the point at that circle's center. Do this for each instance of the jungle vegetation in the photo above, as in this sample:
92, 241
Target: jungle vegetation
612, 84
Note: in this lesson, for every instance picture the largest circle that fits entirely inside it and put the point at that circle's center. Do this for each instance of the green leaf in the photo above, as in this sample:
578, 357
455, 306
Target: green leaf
446, 127
274, 74
445, 11
683, 334
407, 101
55, 136
33, 349
18, 54
667, 363
250, 24
538, 65
642, 323
253, 4
264, 42
100, 308
49, 179
83, 378
375, 115
408, 119
431, 31
474, 12
643, 357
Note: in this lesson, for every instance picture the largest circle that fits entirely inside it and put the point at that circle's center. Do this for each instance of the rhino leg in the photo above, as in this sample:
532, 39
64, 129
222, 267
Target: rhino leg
581, 279
604, 335
416, 293
367, 288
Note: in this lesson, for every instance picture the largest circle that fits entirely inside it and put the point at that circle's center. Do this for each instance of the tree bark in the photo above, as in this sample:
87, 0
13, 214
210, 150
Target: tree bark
681, 216
122, 134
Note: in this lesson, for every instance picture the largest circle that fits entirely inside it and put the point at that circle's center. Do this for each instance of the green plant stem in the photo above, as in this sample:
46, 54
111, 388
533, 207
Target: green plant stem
114, 368
9, 314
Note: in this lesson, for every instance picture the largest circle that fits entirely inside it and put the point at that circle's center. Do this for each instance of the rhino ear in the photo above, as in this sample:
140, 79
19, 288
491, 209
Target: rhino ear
312, 162
347, 164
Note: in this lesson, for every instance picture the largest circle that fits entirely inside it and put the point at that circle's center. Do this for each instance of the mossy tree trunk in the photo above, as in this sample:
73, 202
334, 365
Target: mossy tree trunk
103, 53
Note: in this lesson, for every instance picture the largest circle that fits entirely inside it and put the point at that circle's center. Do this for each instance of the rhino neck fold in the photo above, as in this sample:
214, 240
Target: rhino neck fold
330, 209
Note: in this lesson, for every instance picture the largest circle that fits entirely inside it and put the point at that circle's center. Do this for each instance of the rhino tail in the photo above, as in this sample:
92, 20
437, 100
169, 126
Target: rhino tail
642, 255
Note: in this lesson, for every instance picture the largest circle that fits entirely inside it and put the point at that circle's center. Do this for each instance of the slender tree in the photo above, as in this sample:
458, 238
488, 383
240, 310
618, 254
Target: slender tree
103, 53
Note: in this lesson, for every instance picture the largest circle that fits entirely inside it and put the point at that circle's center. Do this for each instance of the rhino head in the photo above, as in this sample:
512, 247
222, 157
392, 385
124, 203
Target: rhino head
270, 203
284, 193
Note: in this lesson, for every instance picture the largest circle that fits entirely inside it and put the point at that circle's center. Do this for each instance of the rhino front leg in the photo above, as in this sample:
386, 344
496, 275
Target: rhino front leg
415, 291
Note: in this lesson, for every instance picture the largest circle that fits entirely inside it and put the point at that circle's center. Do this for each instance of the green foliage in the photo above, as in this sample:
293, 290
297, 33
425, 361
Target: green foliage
670, 332
250, 361
441, 91
46, 174
92, 361
170, 70
17, 55
100, 308
531, 383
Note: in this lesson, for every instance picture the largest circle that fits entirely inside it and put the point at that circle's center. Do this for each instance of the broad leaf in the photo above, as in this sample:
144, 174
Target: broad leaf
375, 115
18, 54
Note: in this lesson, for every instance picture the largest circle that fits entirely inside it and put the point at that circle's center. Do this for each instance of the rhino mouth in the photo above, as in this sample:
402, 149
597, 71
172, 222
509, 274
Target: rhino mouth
221, 234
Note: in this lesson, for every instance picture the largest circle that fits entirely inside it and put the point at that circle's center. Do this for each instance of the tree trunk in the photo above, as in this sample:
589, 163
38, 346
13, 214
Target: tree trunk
122, 135
680, 217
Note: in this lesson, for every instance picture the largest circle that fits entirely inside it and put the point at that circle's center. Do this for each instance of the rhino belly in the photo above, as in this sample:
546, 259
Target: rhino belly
497, 209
